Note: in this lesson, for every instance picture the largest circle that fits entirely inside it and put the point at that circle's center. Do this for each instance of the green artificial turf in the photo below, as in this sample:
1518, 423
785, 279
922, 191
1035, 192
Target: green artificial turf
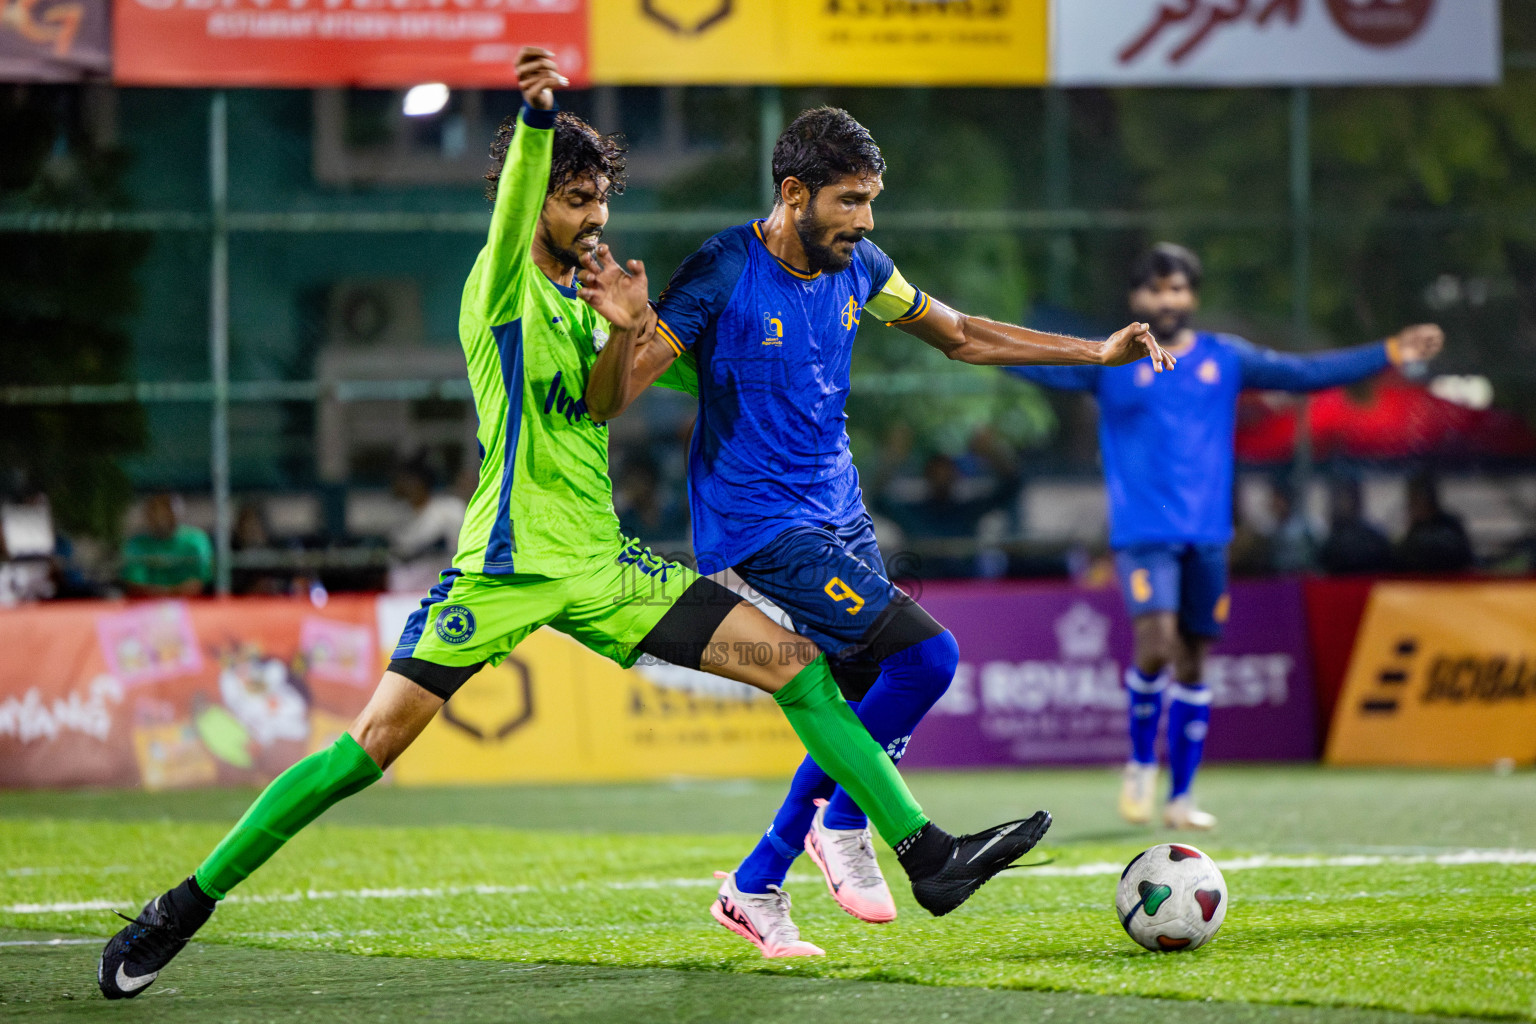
1337, 896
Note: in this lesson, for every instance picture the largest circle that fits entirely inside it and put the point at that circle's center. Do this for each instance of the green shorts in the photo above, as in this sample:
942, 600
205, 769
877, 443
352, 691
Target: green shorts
622, 607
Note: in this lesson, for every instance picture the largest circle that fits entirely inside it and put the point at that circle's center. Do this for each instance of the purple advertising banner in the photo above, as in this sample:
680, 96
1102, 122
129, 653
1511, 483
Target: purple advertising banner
1040, 673
54, 40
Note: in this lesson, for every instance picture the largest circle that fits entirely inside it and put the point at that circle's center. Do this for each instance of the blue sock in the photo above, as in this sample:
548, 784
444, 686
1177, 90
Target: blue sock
771, 858
1145, 713
1189, 716
911, 681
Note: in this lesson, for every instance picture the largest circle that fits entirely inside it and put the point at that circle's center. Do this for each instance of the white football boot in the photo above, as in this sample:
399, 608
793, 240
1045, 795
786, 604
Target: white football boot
760, 918
847, 861
1181, 813
1138, 784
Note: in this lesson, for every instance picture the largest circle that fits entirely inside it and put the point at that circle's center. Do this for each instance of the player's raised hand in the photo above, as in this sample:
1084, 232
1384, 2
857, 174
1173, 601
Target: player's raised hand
621, 295
1136, 342
538, 77
1417, 344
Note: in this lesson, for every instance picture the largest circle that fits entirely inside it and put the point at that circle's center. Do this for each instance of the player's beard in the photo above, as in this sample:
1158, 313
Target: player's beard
571, 257
818, 256
1167, 324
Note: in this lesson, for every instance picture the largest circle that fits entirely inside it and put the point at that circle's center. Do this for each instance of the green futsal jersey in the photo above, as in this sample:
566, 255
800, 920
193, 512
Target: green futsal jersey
544, 505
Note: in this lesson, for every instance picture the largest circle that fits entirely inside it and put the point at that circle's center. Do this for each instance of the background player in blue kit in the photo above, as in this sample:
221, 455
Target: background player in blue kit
1167, 447
763, 317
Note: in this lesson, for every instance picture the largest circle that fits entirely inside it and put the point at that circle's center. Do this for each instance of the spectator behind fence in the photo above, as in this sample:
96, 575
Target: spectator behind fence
1292, 546
252, 536
1353, 545
170, 558
424, 546
1436, 540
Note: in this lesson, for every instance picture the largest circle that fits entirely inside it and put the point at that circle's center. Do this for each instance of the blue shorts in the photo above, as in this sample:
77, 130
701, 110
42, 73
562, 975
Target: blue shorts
831, 581
1190, 579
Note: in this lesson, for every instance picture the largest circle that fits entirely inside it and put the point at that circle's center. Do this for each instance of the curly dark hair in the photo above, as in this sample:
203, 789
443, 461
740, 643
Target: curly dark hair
822, 145
580, 150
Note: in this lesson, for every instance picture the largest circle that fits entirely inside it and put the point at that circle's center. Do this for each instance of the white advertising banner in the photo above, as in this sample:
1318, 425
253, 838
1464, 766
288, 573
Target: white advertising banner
1275, 42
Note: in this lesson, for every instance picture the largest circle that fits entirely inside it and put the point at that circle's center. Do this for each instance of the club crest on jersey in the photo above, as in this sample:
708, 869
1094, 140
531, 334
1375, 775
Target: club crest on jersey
599, 339
1209, 372
773, 329
1144, 373
455, 624
851, 314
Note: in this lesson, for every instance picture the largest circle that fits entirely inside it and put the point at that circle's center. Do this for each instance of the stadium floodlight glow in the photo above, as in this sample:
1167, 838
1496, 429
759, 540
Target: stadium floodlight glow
425, 100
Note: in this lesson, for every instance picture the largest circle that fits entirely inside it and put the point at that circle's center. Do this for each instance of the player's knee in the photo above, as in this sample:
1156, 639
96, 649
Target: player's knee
927, 667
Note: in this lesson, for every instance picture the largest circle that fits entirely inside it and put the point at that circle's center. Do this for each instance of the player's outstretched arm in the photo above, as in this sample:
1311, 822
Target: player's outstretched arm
524, 176
620, 296
1270, 370
974, 339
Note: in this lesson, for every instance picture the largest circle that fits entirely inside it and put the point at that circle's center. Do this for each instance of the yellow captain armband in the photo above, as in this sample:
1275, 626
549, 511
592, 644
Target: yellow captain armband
897, 302
1394, 351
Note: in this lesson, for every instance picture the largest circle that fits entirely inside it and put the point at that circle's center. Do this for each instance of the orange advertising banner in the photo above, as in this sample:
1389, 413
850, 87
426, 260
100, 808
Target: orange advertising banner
341, 42
169, 694
1442, 674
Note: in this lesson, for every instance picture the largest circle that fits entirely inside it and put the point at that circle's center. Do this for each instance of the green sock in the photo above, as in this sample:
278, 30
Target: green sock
293, 800
843, 748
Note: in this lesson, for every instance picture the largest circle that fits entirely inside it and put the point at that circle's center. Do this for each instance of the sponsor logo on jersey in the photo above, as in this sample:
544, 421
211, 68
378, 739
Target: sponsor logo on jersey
559, 401
773, 329
455, 624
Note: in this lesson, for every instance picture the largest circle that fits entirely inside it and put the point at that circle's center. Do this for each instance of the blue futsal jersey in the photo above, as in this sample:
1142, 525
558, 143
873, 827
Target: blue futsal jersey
767, 348
1166, 439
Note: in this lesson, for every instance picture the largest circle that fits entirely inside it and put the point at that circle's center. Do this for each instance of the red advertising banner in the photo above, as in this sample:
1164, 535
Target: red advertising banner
178, 693
341, 42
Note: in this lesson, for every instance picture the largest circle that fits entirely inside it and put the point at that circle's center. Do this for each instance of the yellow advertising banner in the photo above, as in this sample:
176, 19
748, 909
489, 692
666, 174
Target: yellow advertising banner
556, 712
1442, 674
819, 42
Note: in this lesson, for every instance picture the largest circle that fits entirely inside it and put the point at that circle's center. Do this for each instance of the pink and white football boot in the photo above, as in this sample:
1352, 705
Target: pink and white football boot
760, 918
847, 861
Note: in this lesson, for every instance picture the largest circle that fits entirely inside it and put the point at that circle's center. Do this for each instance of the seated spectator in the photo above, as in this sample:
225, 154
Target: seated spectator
1292, 546
1353, 545
1436, 540
251, 536
425, 545
170, 558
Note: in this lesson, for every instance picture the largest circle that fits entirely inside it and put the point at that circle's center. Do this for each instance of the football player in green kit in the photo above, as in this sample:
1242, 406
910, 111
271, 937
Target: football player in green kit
541, 546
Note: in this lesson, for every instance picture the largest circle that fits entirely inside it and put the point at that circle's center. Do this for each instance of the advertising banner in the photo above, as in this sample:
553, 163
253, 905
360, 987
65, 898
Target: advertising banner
1040, 676
342, 42
1275, 42
556, 712
54, 40
1442, 674
177, 693
819, 42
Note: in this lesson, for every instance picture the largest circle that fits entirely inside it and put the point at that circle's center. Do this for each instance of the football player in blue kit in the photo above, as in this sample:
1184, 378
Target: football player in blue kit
759, 323
1166, 443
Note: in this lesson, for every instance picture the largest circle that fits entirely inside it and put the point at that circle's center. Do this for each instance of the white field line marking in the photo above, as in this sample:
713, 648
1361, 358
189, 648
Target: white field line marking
1456, 858
52, 942
108, 869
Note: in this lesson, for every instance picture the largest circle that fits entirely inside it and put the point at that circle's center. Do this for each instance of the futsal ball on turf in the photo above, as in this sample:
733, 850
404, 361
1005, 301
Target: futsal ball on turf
1171, 898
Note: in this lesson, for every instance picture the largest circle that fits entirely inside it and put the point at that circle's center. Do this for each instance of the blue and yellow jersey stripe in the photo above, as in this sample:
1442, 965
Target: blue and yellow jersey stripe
669, 336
